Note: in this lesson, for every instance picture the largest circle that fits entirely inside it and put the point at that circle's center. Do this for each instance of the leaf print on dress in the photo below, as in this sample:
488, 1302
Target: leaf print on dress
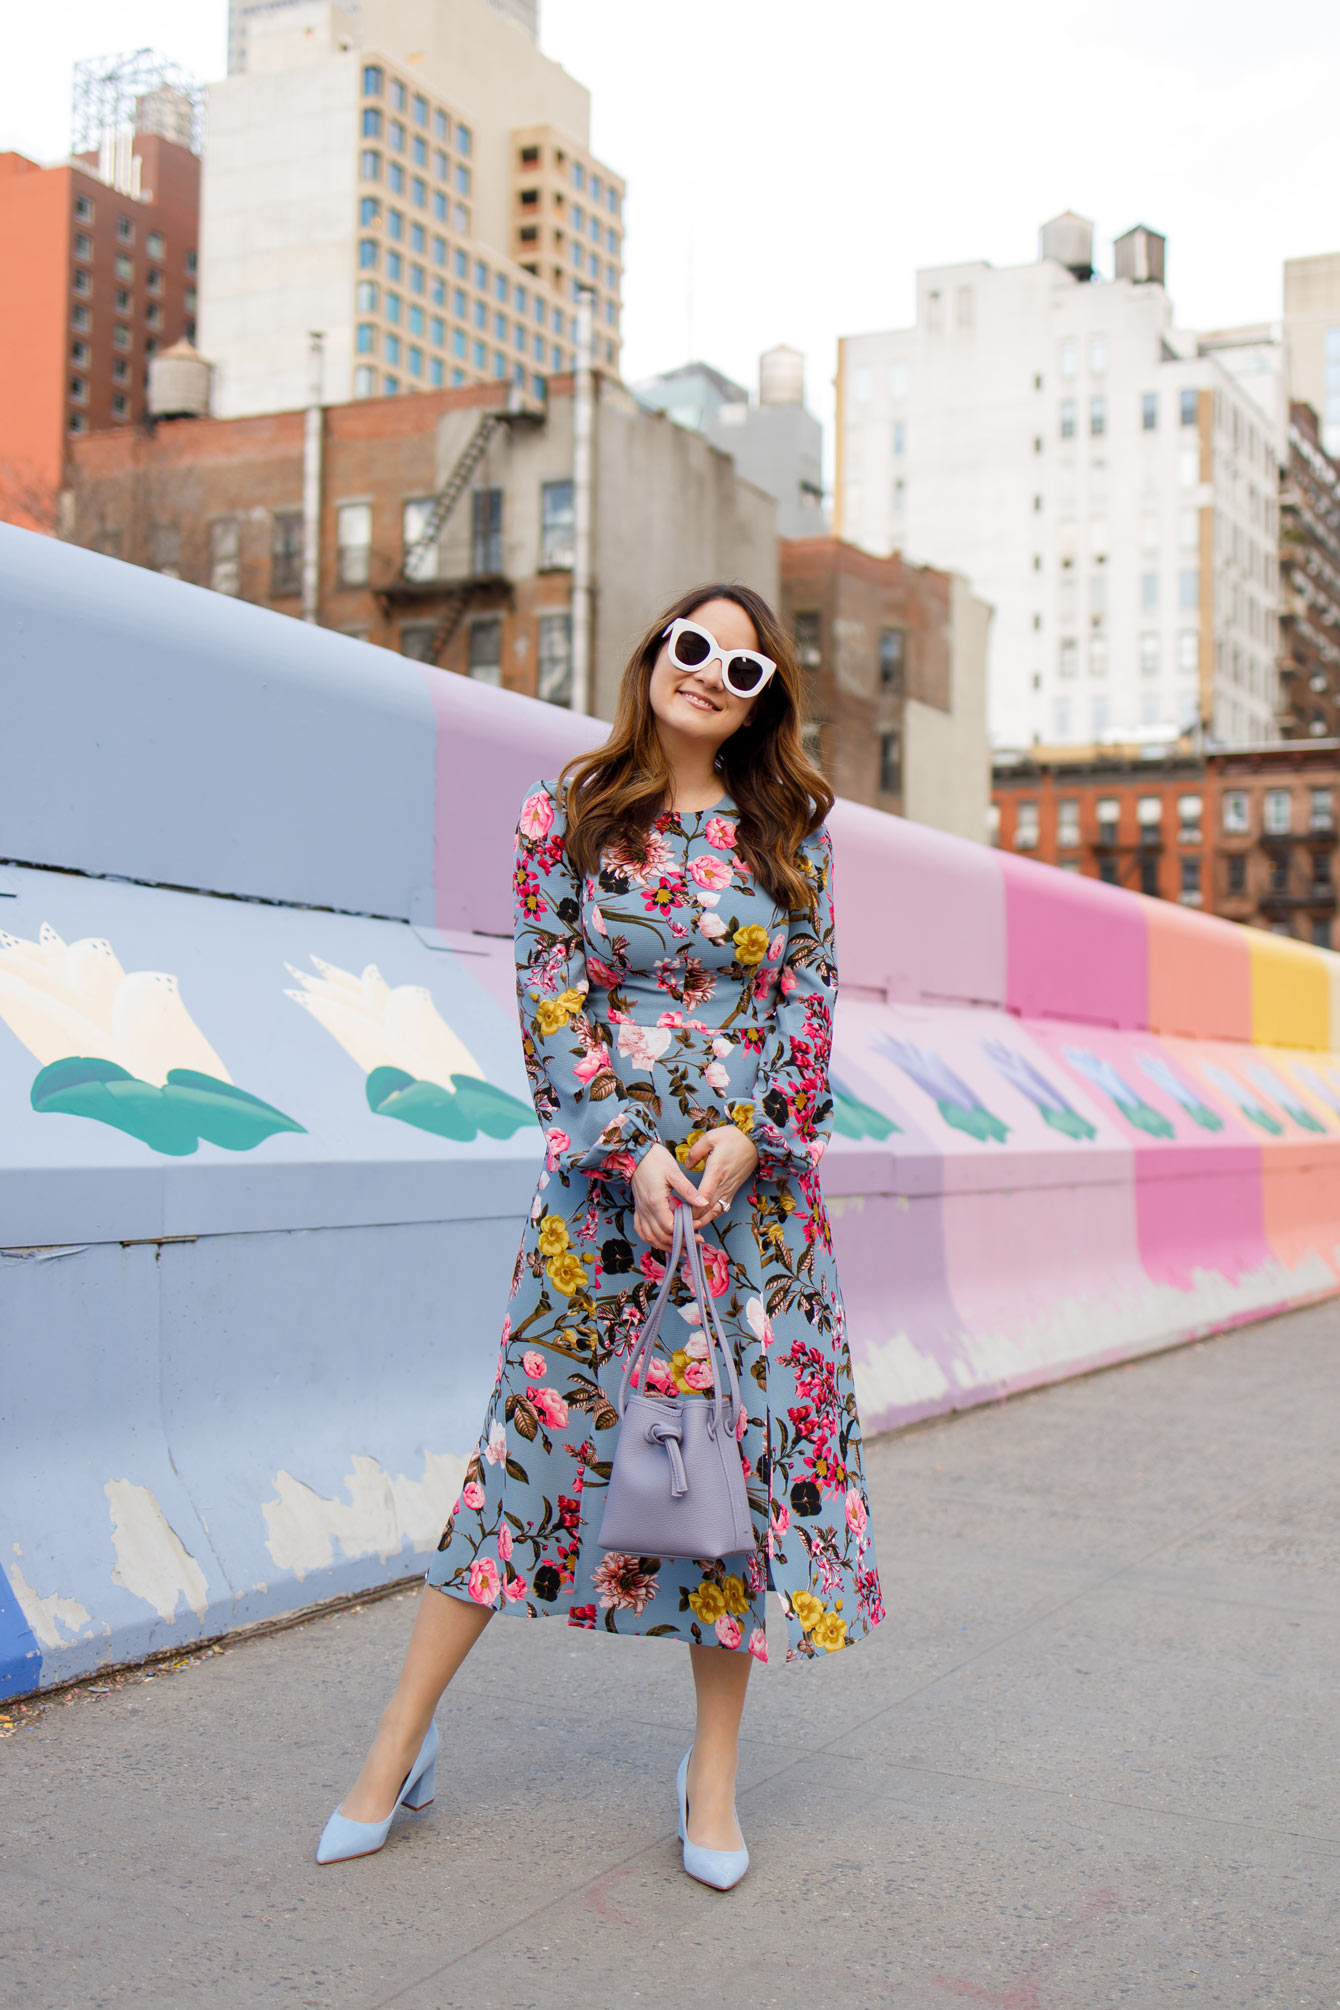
417, 1070
122, 1049
658, 999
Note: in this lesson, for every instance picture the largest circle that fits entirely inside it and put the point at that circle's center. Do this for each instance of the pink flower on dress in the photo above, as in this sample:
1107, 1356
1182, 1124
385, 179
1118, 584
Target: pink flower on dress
597, 920
720, 831
515, 1588
716, 1076
759, 1322
643, 1045
483, 1580
601, 972
721, 1046
713, 873
495, 1451
550, 1406
856, 1511
741, 1426
781, 1520
786, 982
660, 1378
651, 1266
534, 1364
593, 1062
712, 926
504, 1542
728, 1630
776, 946
717, 1266
756, 1579
558, 1142
472, 1496
537, 814
758, 1644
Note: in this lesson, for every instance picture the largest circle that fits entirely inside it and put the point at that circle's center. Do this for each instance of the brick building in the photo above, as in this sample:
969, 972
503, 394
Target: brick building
1247, 833
1110, 814
1272, 813
94, 277
895, 661
1309, 664
486, 590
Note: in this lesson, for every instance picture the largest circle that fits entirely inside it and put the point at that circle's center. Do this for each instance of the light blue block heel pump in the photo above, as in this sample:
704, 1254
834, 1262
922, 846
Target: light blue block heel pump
342, 1838
719, 1867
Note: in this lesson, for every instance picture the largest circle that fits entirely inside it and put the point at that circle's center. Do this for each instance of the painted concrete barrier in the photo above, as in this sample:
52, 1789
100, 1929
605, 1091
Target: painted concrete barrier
266, 1141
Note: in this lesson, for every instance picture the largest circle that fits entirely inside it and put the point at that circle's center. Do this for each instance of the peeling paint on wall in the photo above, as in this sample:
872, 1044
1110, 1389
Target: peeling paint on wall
48, 1616
380, 1515
152, 1562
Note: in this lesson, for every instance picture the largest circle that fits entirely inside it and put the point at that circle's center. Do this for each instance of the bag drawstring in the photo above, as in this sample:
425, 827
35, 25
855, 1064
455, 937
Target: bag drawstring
669, 1432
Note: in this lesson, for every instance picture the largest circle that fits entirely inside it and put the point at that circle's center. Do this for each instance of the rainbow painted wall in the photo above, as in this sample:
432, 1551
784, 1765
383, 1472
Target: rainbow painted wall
266, 1142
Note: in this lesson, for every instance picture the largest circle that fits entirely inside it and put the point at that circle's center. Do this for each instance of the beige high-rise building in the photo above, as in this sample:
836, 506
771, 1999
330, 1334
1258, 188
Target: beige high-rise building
413, 179
1312, 339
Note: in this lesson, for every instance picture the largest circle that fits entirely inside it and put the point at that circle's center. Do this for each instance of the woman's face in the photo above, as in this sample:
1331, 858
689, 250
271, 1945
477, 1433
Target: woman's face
695, 704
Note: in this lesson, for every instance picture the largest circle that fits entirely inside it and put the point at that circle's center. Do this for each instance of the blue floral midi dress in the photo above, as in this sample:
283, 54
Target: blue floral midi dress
659, 999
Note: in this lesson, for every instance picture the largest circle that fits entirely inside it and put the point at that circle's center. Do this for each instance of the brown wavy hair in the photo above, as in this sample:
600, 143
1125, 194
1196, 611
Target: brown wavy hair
614, 792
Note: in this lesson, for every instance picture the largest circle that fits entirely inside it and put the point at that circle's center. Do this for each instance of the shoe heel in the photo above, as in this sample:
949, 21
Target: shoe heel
421, 1793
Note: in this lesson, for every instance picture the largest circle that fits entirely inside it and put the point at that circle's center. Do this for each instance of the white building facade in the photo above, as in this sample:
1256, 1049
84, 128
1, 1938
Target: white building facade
1107, 483
378, 174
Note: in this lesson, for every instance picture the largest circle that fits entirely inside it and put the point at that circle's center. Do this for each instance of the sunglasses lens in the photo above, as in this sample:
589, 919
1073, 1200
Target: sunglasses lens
743, 675
690, 649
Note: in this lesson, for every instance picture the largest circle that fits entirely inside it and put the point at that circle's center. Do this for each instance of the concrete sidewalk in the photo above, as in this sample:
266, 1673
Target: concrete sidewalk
1089, 1760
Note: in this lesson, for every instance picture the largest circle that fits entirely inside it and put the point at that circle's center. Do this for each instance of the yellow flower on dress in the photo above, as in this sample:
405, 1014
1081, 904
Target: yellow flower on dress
682, 1150
751, 943
830, 1633
807, 1609
553, 1236
565, 1272
709, 1602
742, 1115
733, 1591
553, 1014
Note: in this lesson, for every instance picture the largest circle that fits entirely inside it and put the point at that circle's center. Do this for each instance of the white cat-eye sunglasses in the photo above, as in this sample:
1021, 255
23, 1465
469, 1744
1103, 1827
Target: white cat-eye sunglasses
743, 671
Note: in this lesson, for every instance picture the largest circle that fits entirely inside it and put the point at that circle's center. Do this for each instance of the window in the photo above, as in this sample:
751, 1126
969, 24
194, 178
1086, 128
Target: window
1321, 932
83, 244
1149, 592
121, 337
1067, 418
1188, 588
860, 384
418, 278
1236, 881
370, 166
1069, 357
437, 332
80, 317
890, 762
1149, 411
83, 282
897, 380
419, 561
1060, 718
1235, 812
420, 110
892, 646
392, 349
1188, 650
1277, 819
1097, 354
286, 554
83, 209
553, 676
807, 629
899, 441
225, 538
419, 197
125, 230
369, 209
398, 94
1321, 869
394, 265
414, 361
462, 138
1187, 405
486, 546
366, 341
395, 224
1099, 714
1149, 654
441, 126
393, 307
1189, 893
367, 296
192, 260
437, 375
415, 320
395, 133
1098, 656
1067, 664
367, 253
372, 123
899, 496
1321, 812
79, 388
1189, 811
365, 382
1067, 823
484, 653
125, 268
372, 81
556, 526
1109, 819
1025, 826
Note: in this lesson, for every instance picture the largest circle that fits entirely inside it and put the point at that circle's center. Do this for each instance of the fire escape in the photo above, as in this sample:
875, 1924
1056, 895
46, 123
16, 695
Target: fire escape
418, 578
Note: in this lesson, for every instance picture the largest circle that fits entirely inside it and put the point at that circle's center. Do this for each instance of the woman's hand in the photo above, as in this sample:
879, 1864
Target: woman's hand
656, 1176
727, 1157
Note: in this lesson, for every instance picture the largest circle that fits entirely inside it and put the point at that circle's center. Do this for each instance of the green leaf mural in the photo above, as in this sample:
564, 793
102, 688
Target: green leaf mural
172, 1119
470, 1107
854, 1119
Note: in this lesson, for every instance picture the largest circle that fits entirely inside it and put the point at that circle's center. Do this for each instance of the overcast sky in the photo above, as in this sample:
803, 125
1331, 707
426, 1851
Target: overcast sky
790, 165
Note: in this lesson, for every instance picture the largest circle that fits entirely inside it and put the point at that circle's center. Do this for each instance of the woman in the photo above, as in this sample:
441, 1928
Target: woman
676, 982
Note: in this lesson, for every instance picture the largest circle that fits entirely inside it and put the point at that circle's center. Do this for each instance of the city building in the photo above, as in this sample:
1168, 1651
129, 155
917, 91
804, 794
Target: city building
1247, 833
1312, 339
445, 526
1272, 811
776, 444
1106, 481
1114, 813
1309, 665
894, 660
97, 270
414, 182
525, 13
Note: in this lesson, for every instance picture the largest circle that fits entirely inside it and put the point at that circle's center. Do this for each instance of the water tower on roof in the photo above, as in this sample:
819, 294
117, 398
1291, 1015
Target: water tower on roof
1141, 256
1068, 239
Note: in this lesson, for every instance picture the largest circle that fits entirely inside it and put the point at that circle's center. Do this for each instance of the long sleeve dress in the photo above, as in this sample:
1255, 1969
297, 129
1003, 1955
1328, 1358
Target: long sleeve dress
659, 1000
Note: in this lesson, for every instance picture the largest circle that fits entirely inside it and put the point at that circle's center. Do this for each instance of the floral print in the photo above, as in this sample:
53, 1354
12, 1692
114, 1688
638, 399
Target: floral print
660, 998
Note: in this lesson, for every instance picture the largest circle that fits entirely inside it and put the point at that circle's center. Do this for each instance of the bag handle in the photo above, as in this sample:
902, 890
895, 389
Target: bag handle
640, 1356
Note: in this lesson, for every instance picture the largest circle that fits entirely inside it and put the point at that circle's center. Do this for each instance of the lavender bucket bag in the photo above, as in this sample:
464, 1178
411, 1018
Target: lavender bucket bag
676, 1485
